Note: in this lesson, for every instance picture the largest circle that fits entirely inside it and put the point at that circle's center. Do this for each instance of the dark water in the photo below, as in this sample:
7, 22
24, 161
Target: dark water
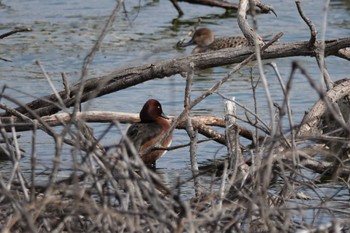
64, 32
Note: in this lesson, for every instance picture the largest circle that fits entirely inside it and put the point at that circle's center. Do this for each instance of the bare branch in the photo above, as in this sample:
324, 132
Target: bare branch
309, 23
191, 132
17, 30
243, 24
177, 7
312, 118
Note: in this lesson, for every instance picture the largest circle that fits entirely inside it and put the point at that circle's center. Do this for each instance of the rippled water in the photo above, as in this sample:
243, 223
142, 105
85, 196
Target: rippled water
64, 32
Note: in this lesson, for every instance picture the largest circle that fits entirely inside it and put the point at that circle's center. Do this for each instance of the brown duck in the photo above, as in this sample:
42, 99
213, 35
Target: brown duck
205, 41
149, 131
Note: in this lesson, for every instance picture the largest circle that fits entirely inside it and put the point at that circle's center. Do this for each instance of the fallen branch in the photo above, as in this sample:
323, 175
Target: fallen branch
124, 78
312, 118
201, 123
17, 30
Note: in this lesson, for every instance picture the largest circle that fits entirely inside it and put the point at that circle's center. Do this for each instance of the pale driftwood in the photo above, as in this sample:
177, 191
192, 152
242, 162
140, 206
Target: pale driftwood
201, 123
236, 159
122, 117
124, 78
93, 116
231, 130
312, 118
243, 24
344, 53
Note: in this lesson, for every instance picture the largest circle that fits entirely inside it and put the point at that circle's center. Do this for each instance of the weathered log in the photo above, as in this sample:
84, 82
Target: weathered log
311, 120
124, 78
201, 123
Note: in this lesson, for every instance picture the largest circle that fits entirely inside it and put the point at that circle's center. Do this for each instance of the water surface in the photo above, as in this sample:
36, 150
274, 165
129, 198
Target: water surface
64, 32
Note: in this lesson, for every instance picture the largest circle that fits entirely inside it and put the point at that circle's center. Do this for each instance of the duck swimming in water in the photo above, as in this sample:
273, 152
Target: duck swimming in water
147, 133
205, 41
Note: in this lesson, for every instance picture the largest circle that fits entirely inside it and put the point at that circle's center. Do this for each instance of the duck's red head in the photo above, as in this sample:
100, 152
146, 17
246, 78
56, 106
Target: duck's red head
151, 111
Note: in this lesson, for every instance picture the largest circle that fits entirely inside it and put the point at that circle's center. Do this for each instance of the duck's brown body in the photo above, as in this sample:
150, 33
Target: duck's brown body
149, 131
205, 41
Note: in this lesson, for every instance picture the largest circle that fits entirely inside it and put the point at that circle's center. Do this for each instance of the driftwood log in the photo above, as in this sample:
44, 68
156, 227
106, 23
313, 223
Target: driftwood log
124, 78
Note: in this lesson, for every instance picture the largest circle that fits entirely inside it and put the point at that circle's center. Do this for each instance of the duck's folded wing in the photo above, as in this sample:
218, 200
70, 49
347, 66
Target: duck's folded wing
140, 133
